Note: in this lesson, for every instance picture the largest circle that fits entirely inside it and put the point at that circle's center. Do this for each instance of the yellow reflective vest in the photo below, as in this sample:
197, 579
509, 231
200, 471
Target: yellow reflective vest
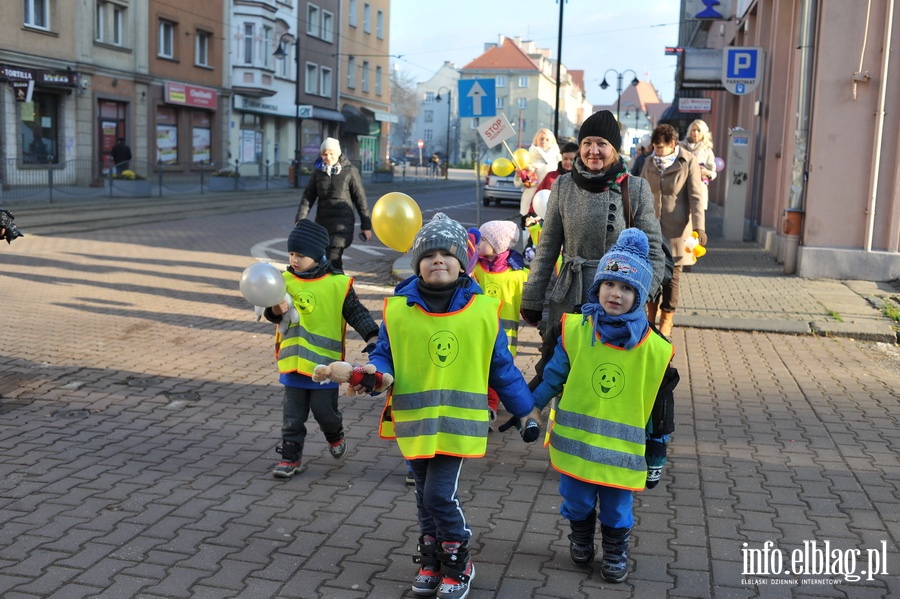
438, 403
599, 428
506, 286
318, 338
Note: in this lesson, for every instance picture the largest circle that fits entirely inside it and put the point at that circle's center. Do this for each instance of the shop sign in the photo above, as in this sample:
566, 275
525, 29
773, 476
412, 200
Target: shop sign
191, 95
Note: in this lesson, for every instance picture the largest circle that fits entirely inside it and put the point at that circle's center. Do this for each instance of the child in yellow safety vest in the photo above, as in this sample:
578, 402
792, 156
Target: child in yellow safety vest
442, 342
500, 271
326, 302
609, 431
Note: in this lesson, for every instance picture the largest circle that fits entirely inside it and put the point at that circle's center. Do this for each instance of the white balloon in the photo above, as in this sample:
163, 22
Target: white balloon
263, 285
539, 202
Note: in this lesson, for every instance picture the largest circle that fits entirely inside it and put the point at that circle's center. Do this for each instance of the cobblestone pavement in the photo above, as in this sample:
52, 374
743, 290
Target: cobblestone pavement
139, 410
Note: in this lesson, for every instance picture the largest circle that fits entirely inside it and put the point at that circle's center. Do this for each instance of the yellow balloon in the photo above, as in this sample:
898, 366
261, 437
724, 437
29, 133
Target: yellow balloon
502, 167
523, 158
396, 219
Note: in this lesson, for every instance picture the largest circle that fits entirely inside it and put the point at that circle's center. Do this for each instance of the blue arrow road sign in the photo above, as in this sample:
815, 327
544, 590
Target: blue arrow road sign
477, 98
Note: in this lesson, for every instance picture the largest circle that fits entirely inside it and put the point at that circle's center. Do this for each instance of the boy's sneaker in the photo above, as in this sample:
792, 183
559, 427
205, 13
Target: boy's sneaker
453, 588
427, 581
339, 449
286, 469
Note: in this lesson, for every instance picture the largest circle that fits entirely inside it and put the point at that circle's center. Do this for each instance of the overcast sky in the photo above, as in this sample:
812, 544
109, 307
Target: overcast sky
597, 35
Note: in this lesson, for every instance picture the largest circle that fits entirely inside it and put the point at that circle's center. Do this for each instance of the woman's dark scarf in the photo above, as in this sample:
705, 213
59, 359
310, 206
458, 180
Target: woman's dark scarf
599, 182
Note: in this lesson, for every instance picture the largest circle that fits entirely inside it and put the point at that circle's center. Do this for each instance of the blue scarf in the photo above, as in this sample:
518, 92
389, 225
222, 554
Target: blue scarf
625, 330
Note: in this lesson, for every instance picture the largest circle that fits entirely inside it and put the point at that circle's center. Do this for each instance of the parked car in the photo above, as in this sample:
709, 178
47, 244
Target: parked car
398, 162
499, 188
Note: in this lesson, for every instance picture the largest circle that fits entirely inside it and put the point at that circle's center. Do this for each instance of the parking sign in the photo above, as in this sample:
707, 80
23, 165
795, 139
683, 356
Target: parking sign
742, 69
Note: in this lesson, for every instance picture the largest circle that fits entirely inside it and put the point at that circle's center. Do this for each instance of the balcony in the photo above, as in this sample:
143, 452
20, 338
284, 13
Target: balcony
253, 82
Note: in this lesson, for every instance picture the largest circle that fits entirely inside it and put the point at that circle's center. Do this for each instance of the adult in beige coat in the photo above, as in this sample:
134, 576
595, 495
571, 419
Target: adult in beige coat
674, 177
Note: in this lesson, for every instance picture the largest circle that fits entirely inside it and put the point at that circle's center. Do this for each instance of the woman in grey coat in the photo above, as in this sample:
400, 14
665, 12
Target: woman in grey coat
583, 220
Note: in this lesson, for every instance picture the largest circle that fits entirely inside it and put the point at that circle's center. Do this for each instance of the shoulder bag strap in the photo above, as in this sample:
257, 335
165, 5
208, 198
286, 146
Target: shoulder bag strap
626, 203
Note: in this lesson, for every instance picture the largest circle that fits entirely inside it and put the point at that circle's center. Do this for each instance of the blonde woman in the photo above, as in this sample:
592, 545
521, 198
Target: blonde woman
545, 156
699, 143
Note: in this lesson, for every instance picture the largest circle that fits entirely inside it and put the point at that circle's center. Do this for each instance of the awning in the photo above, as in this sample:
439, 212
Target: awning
326, 114
355, 121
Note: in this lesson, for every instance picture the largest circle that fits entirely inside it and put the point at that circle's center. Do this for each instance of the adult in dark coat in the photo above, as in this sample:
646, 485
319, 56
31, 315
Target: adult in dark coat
338, 188
121, 156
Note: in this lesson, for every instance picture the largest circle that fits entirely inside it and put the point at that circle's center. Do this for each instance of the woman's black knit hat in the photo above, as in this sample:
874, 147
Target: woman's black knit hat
603, 124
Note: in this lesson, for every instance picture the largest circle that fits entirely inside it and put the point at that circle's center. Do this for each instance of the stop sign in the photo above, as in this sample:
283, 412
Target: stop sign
421, 144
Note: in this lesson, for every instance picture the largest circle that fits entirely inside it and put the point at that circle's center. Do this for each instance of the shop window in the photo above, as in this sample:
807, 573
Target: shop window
167, 135
201, 136
39, 129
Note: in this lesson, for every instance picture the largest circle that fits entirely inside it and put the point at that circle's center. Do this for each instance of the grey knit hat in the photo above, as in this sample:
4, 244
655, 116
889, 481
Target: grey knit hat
440, 233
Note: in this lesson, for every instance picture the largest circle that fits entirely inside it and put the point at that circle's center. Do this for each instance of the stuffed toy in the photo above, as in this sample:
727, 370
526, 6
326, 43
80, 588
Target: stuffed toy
345, 372
693, 247
528, 176
292, 316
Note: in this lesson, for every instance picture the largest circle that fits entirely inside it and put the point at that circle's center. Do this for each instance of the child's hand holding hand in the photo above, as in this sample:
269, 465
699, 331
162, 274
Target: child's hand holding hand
281, 308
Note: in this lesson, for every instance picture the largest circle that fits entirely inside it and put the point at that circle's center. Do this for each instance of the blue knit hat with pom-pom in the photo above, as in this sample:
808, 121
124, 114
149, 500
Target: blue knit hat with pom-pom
628, 261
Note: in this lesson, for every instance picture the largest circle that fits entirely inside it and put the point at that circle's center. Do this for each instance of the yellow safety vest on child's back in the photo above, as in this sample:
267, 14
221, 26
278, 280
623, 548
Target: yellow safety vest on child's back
505, 286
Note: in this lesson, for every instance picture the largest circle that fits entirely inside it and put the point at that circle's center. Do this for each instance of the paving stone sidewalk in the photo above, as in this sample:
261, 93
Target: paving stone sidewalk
139, 411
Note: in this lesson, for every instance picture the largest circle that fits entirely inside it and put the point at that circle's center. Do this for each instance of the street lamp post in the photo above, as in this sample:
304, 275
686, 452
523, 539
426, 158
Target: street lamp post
449, 108
604, 85
637, 114
280, 52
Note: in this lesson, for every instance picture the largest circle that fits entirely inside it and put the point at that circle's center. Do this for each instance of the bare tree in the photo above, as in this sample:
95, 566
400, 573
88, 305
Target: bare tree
405, 105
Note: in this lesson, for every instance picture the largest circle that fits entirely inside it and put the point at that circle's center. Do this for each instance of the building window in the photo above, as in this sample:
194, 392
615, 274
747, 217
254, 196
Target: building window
351, 72
429, 97
523, 103
202, 50
166, 39
500, 81
500, 102
39, 129
476, 122
248, 43
201, 127
523, 81
428, 116
327, 26
325, 82
365, 76
267, 46
379, 25
37, 14
367, 18
99, 24
428, 135
313, 26
312, 78
378, 83
117, 17
351, 13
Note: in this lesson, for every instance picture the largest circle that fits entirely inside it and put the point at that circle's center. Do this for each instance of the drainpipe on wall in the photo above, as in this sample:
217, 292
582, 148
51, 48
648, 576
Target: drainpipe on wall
793, 221
879, 126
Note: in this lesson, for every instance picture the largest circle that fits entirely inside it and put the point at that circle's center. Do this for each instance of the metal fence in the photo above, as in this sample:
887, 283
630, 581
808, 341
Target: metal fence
91, 178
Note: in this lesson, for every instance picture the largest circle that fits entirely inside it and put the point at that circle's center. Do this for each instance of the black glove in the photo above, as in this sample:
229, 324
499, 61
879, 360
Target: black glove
701, 236
369, 347
532, 317
655, 454
530, 433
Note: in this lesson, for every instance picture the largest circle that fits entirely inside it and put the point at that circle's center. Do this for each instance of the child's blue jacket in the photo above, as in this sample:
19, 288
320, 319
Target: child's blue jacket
504, 378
